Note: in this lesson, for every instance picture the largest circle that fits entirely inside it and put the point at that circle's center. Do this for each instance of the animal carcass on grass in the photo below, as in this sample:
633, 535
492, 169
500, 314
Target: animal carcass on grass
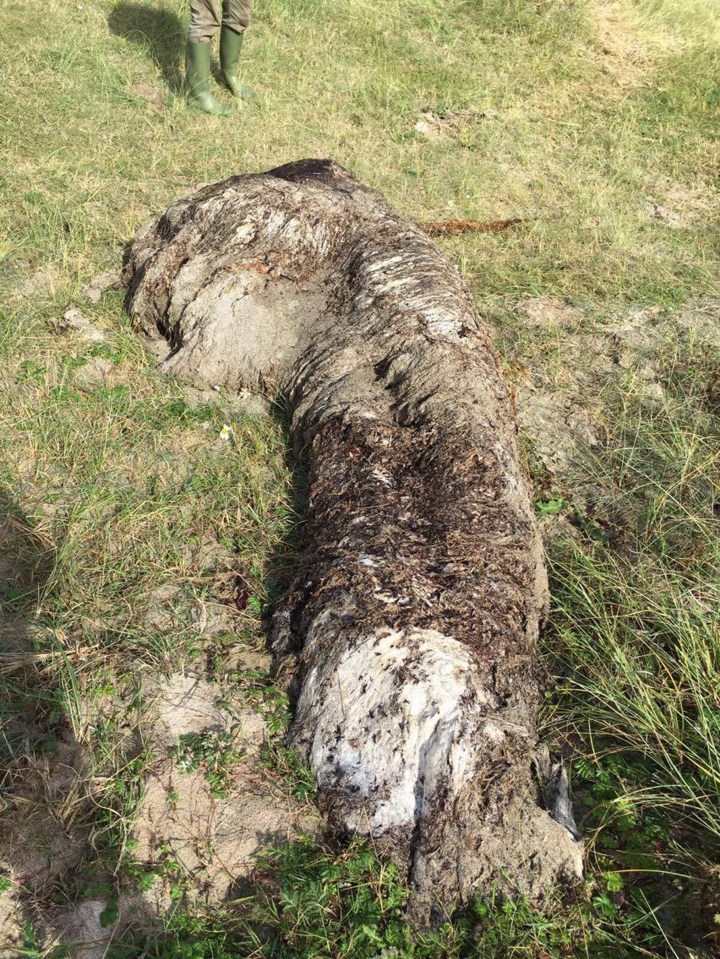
410, 629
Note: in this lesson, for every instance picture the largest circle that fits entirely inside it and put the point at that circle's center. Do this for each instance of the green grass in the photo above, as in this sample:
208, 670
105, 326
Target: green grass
597, 124
555, 130
311, 902
634, 642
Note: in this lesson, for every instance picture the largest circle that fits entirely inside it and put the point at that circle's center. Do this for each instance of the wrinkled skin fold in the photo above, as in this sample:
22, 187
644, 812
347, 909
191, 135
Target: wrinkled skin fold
409, 633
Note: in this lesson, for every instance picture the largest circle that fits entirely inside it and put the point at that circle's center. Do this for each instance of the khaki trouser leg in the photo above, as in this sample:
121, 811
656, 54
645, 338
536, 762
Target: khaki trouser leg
205, 20
236, 14
207, 16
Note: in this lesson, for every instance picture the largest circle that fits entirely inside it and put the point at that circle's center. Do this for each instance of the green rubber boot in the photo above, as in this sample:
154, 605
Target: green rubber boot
197, 80
230, 48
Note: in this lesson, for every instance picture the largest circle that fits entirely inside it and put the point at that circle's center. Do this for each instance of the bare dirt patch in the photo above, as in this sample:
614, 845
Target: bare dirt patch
682, 205
44, 831
11, 924
437, 127
75, 321
213, 836
148, 93
618, 46
199, 825
97, 372
564, 361
44, 283
85, 930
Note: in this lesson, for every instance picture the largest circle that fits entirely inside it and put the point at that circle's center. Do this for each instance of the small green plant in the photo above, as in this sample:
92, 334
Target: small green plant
140, 876
213, 752
550, 507
109, 915
31, 946
116, 815
280, 759
263, 695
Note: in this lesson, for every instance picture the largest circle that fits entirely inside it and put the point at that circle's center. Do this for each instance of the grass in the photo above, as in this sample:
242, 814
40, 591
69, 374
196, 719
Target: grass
311, 901
634, 641
553, 129
594, 122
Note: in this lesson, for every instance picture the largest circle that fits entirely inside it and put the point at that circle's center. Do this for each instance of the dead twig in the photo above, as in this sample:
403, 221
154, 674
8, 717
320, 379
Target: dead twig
449, 227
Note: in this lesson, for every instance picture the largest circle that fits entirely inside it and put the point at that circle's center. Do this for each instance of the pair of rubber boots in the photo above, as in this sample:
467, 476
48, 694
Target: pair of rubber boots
197, 73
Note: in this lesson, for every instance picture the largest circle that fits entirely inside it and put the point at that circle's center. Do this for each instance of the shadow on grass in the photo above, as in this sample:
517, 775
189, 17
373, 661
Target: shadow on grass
159, 32
40, 760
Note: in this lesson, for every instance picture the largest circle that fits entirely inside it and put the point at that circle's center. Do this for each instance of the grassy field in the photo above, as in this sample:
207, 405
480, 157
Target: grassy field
596, 123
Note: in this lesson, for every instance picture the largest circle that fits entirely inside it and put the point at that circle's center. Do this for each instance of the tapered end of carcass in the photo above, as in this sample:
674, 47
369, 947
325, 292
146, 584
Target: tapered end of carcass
411, 746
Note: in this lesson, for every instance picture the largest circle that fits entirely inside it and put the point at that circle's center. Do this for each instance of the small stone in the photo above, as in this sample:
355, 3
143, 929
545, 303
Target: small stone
100, 284
94, 335
74, 319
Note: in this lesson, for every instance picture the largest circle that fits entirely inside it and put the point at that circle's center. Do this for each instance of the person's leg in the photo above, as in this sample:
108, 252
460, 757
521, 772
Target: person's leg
205, 21
235, 20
